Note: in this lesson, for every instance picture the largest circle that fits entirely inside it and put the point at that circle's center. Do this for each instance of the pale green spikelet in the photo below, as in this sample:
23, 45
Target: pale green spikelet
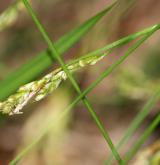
41, 88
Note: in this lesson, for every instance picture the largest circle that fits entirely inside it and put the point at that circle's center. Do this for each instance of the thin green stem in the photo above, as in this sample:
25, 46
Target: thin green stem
56, 55
142, 139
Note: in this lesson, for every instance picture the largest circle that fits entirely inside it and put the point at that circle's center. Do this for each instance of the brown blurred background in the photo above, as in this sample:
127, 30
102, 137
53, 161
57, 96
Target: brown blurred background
76, 140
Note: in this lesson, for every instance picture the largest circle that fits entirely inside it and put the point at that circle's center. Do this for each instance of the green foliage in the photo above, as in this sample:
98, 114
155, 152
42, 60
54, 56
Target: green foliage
39, 89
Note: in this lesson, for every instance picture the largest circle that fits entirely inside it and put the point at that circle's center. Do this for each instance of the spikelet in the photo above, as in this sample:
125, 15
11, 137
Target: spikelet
37, 90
